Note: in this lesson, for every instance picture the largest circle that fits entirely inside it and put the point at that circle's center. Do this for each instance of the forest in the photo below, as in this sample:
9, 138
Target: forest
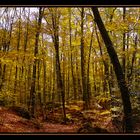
70, 70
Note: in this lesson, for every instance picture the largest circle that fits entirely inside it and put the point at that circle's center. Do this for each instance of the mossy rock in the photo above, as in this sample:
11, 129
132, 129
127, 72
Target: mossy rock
21, 111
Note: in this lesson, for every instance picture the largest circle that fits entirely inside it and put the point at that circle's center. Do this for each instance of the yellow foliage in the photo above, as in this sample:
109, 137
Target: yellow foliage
74, 107
68, 116
105, 112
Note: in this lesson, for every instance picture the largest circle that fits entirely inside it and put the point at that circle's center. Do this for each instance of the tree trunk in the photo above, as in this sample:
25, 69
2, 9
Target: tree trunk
17, 69
33, 85
106, 69
55, 37
59, 80
118, 71
130, 75
72, 67
83, 64
88, 70
124, 44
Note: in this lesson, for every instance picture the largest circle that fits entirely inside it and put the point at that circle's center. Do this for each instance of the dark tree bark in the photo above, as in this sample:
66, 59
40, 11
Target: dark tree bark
55, 37
118, 71
33, 85
59, 79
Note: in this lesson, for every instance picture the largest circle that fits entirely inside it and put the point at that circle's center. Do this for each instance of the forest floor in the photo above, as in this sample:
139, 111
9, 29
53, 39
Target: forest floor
11, 122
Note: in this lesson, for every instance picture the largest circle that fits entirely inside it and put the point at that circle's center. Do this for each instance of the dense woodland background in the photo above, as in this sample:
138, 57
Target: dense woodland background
56, 60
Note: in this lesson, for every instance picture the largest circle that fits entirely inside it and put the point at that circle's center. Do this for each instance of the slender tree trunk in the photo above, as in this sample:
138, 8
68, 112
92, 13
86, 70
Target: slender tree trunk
124, 44
83, 64
68, 79
53, 82
127, 54
129, 76
55, 37
44, 87
94, 78
60, 82
38, 84
118, 71
72, 67
29, 97
16, 73
79, 82
106, 70
26, 38
33, 83
88, 68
